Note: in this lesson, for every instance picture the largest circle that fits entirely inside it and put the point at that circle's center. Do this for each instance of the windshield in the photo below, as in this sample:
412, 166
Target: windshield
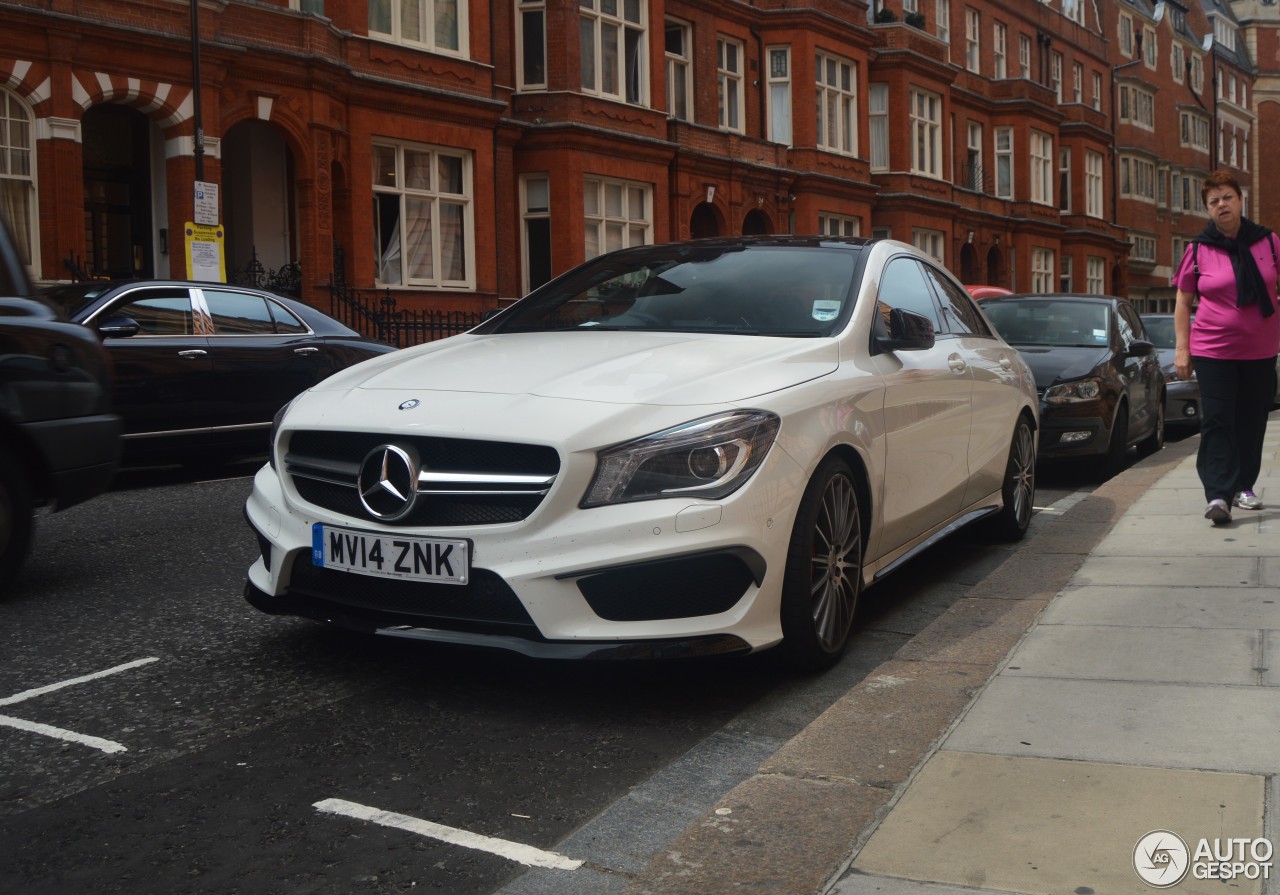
760, 290
1051, 324
1160, 331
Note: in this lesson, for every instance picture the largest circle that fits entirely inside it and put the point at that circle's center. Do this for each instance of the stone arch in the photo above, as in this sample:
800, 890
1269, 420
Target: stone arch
706, 220
756, 223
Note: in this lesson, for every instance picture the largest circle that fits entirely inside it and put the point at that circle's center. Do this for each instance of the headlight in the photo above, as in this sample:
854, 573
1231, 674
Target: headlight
1071, 392
275, 430
707, 458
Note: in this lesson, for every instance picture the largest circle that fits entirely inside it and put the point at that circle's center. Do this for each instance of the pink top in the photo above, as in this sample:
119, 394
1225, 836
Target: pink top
1220, 329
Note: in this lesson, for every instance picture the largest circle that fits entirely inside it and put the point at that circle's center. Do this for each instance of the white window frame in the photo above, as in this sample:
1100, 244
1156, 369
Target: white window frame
1177, 61
974, 176
530, 13
1064, 179
1074, 10
1097, 90
1065, 274
1077, 82
837, 104
878, 125
614, 38
1150, 47
830, 224
1093, 166
1162, 186
615, 225
1137, 107
730, 67
437, 197
1041, 269
931, 242
1143, 248
1043, 166
679, 63
1137, 178
18, 175
972, 40
1125, 34
1004, 179
1000, 50
779, 93
1193, 131
1095, 278
430, 14
942, 22
1024, 56
529, 214
926, 133
1055, 75
1197, 73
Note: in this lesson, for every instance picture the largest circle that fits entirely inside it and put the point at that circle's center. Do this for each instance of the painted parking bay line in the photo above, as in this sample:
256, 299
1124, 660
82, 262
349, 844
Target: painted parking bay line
58, 733
514, 851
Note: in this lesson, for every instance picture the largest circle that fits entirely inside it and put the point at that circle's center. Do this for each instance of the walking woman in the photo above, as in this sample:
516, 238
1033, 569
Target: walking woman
1231, 345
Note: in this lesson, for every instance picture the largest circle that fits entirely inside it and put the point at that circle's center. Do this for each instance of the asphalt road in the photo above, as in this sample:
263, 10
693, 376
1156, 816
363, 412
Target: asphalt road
158, 735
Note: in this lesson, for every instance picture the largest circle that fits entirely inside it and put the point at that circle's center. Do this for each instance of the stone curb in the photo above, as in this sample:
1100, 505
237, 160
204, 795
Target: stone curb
795, 825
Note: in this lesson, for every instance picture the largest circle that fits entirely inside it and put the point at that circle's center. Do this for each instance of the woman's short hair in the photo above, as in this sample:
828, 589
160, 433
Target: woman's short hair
1219, 178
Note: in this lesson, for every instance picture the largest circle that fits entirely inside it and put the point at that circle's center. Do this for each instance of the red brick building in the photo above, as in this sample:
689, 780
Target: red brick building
458, 152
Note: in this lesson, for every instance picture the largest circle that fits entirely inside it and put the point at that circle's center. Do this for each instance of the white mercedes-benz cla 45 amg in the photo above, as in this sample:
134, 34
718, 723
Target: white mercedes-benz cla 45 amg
672, 450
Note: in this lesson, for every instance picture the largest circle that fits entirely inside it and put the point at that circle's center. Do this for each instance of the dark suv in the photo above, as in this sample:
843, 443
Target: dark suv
59, 440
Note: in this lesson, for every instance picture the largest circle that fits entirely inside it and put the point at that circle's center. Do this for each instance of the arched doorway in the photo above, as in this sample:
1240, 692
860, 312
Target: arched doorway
258, 207
995, 269
969, 273
705, 221
120, 241
756, 223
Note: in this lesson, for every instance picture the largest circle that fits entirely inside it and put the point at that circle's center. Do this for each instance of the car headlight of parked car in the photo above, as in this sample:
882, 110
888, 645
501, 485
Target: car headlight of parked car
1072, 392
707, 458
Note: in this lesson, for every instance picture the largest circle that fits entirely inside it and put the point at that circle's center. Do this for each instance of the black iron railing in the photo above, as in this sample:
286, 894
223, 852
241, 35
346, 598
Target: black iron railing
375, 313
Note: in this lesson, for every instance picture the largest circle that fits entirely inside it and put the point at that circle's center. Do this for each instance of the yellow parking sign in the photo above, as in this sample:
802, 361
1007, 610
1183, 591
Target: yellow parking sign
205, 258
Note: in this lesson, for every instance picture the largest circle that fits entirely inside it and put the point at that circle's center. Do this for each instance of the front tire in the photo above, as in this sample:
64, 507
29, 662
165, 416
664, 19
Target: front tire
15, 518
823, 575
1154, 442
1019, 489
1117, 456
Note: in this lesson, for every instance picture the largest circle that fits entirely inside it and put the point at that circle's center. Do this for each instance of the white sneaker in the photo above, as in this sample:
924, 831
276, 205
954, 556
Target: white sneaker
1218, 512
1247, 500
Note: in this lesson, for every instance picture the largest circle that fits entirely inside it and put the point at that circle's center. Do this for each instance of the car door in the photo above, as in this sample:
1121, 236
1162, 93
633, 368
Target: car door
927, 401
995, 370
1141, 375
162, 373
263, 356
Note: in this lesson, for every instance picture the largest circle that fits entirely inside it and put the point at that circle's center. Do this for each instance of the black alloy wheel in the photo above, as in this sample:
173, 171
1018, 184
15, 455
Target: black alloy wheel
823, 576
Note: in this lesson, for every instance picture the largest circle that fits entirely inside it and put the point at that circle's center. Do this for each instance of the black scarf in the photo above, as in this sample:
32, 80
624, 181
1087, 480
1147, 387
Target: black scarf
1251, 289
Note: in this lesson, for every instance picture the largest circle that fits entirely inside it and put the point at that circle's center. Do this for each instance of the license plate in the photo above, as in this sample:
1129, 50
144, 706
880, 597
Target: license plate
442, 560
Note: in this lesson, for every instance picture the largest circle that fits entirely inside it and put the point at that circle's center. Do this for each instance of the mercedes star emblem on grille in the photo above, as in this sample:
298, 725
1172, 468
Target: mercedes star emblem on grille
388, 482
410, 404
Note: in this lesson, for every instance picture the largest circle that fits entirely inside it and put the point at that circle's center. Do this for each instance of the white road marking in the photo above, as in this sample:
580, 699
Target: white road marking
514, 851
40, 691
60, 734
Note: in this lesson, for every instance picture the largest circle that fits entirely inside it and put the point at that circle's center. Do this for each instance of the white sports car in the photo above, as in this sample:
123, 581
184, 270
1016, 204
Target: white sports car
672, 450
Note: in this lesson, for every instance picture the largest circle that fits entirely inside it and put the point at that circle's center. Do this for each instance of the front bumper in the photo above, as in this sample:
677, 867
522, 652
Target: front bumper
1064, 436
661, 578
1182, 404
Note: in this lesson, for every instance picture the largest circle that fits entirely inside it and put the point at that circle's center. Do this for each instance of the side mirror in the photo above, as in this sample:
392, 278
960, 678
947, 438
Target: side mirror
118, 328
908, 331
1140, 348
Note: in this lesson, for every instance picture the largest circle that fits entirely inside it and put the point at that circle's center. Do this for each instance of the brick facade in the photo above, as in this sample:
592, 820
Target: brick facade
1090, 179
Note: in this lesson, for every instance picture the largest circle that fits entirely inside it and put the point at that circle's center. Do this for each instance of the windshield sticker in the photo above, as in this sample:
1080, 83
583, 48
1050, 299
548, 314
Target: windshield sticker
825, 310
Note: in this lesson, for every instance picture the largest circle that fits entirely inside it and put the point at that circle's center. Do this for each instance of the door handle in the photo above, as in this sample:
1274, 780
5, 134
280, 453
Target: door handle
956, 363
193, 352
306, 350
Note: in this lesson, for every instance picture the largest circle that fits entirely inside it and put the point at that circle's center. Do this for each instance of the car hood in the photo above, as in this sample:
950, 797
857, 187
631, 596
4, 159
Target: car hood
1050, 365
610, 367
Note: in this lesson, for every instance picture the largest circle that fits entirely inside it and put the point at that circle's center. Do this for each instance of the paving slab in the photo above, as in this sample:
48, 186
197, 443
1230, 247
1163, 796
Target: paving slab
1124, 722
1239, 538
1170, 607
1046, 827
1180, 571
1120, 653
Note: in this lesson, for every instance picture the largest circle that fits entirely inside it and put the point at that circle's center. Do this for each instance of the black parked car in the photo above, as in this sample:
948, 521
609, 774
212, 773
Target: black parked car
201, 368
59, 440
1182, 396
1097, 374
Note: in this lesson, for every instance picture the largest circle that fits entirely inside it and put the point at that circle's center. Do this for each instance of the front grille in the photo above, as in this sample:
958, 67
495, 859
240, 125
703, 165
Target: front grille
673, 588
486, 603
488, 482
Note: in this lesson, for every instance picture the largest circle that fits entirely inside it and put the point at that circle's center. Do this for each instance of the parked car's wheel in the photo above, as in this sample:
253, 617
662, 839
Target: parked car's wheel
15, 518
823, 576
1019, 489
1118, 450
1155, 441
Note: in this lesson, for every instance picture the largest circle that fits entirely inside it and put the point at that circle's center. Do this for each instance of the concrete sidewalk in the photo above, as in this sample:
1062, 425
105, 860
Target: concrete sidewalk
1108, 681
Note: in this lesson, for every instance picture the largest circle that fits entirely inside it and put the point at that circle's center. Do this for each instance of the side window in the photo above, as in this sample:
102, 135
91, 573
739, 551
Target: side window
239, 314
1130, 326
166, 313
903, 285
285, 320
958, 309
